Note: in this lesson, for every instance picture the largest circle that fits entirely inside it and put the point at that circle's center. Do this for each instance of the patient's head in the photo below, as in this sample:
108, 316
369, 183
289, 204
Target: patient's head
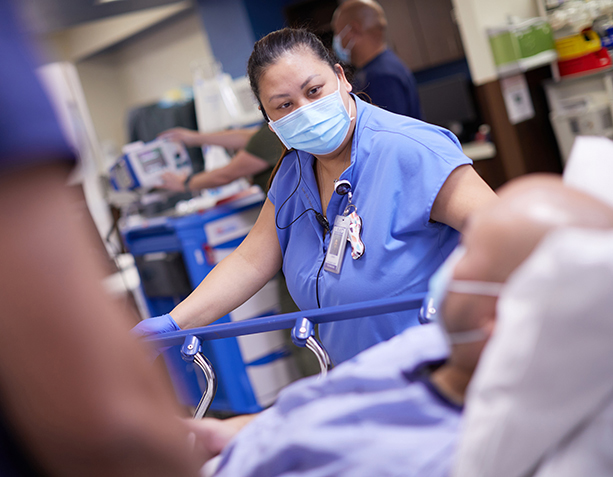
501, 236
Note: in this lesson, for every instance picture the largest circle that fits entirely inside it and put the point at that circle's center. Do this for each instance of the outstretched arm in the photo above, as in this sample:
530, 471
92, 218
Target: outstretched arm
237, 277
242, 164
230, 139
213, 435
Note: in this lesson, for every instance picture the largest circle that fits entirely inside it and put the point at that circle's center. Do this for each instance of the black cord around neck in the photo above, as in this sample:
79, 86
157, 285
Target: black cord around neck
320, 218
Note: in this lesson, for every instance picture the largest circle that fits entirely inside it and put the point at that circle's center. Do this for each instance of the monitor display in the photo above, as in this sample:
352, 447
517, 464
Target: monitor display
152, 161
447, 100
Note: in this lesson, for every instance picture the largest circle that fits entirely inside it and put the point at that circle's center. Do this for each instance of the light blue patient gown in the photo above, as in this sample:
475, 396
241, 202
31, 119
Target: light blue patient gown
375, 415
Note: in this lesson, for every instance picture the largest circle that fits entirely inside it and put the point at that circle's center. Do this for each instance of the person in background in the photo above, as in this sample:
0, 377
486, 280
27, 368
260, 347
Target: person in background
359, 39
78, 396
259, 149
396, 408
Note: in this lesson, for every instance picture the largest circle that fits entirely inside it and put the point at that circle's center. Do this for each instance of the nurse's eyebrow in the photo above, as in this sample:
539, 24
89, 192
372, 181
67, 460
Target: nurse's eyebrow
272, 98
285, 95
308, 80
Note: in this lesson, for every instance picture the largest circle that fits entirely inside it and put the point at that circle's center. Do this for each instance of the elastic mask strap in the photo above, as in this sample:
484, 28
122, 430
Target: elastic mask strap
343, 32
472, 288
338, 90
279, 135
475, 287
351, 43
464, 337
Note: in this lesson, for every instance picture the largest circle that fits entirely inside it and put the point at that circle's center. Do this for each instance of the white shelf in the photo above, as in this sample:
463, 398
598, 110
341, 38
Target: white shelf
479, 151
525, 64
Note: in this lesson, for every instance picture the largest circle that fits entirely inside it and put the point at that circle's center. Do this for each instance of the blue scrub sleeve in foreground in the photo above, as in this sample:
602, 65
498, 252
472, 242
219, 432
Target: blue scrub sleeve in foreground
29, 131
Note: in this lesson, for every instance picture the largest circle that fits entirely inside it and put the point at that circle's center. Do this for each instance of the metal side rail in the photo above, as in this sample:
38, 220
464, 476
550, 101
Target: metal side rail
303, 334
191, 351
288, 320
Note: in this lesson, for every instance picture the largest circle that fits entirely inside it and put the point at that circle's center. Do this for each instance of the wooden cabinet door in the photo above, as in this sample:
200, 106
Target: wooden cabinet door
423, 33
404, 33
439, 31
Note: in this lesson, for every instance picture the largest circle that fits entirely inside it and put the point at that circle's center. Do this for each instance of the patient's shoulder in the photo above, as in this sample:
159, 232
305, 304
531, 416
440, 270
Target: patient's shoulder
378, 368
406, 350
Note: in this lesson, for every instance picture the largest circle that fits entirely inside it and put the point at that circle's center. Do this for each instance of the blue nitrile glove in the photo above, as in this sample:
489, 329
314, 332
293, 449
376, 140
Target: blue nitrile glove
156, 326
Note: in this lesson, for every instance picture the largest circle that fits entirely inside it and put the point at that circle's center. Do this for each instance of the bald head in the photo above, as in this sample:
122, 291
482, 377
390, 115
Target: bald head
366, 13
500, 237
361, 24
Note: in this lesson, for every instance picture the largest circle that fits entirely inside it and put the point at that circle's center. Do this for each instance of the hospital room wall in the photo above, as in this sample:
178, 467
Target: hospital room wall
230, 33
474, 16
140, 71
528, 146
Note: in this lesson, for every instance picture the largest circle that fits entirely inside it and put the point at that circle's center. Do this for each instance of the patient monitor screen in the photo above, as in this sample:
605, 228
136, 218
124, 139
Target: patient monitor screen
152, 161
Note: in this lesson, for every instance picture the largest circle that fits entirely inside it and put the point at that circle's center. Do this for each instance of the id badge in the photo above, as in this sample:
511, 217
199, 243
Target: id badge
338, 242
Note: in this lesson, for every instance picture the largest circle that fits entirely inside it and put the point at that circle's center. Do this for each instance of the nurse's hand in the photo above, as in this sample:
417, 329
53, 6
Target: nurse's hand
213, 435
173, 181
155, 326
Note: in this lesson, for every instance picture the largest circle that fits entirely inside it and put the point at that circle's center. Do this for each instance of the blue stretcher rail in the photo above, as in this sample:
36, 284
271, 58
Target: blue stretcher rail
288, 320
302, 334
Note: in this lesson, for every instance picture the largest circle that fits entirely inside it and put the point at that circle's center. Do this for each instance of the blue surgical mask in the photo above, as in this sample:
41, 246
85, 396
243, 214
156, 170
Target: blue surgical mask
440, 284
343, 53
318, 128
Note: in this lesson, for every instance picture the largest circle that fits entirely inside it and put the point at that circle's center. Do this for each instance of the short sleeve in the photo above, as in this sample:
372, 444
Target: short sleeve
29, 131
437, 153
265, 145
414, 160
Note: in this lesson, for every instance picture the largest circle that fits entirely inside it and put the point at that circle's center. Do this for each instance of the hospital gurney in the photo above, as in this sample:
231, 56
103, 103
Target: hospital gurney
302, 325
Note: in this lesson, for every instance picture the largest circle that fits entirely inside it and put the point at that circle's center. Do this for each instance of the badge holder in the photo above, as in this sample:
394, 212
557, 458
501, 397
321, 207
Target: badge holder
338, 242
347, 227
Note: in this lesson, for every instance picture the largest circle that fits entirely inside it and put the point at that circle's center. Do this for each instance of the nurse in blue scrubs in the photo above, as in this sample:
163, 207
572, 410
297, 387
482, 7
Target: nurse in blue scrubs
365, 204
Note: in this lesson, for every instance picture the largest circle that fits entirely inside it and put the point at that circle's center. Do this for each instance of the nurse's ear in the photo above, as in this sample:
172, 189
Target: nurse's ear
340, 72
263, 111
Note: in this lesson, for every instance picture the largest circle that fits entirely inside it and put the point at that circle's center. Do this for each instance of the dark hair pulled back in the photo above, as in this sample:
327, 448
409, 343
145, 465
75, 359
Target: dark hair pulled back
274, 45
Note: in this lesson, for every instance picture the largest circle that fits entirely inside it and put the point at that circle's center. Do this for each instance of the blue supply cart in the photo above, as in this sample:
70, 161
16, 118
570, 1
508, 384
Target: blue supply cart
173, 255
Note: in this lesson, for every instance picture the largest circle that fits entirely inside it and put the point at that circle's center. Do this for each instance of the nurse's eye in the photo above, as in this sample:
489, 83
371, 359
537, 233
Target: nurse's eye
314, 91
284, 105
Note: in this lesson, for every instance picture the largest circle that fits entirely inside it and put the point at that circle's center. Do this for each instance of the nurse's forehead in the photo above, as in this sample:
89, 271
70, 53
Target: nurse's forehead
295, 65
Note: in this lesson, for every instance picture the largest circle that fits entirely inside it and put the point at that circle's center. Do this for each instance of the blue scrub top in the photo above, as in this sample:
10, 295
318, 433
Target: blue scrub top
376, 415
29, 131
398, 165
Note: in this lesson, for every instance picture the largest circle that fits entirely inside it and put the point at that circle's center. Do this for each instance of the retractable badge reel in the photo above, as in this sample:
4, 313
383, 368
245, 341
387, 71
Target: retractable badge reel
347, 227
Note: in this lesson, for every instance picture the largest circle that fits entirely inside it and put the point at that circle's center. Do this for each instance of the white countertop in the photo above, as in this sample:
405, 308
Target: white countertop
479, 151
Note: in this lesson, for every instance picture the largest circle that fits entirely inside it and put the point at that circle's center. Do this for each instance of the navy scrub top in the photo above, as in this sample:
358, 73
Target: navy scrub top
389, 84
398, 165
